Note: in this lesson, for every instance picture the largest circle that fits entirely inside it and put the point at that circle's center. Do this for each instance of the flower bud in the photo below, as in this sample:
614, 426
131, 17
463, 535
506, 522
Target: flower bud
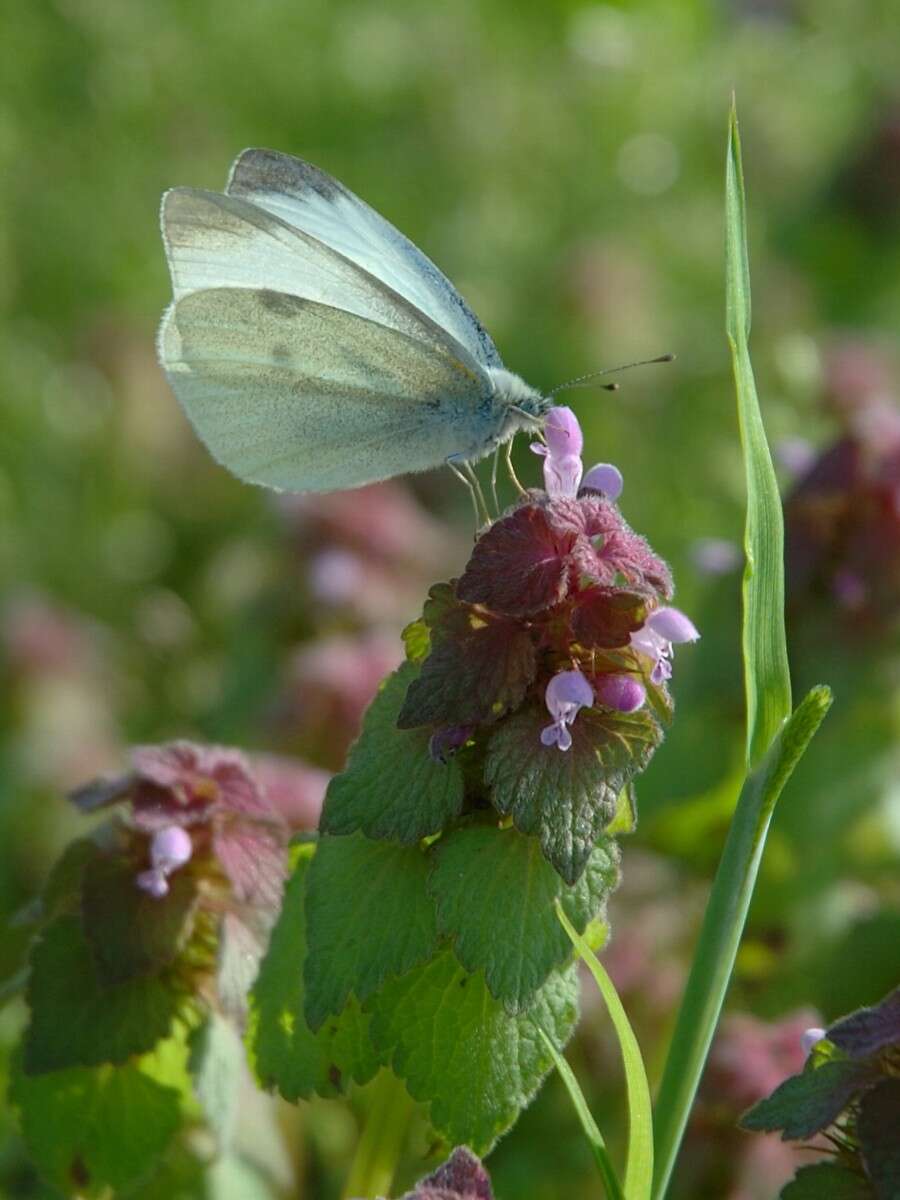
620, 692
604, 478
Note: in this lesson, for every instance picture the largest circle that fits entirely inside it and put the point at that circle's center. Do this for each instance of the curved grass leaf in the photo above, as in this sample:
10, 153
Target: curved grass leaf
588, 1124
767, 680
774, 746
639, 1165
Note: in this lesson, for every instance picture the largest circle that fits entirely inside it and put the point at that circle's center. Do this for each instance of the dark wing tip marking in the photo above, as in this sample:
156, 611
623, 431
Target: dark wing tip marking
259, 170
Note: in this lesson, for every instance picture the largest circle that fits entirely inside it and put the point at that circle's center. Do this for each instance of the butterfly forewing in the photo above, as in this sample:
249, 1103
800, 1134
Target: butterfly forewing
222, 241
312, 201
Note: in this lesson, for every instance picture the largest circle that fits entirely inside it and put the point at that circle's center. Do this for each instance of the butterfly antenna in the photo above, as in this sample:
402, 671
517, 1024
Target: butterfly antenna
585, 380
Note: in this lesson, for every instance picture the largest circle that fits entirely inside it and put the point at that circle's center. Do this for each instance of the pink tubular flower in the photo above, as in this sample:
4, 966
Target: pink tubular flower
567, 693
562, 460
562, 453
170, 848
656, 636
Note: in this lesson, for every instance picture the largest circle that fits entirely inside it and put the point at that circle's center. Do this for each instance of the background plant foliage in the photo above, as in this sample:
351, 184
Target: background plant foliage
562, 163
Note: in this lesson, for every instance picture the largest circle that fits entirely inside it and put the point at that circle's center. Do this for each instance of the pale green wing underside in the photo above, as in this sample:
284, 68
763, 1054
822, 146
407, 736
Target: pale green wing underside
303, 396
310, 200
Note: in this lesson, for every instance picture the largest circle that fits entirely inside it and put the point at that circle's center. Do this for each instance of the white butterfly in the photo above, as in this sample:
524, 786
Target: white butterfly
314, 347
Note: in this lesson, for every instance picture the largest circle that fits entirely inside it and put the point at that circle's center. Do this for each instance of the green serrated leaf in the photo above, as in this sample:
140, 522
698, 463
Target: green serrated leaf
287, 1054
62, 891
76, 1019
767, 677
94, 1130
391, 787
827, 1181
461, 1052
807, 1103
480, 667
512, 931
368, 915
626, 818
567, 798
129, 931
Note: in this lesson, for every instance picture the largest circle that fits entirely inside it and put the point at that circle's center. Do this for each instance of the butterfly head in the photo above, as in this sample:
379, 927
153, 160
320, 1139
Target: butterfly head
526, 406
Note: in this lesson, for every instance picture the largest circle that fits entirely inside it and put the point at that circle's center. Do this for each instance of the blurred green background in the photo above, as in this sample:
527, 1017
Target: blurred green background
563, 163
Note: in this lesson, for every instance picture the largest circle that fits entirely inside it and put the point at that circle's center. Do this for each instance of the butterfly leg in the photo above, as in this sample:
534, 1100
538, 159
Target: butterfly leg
476, 484
494, 465
471, 490
509, 466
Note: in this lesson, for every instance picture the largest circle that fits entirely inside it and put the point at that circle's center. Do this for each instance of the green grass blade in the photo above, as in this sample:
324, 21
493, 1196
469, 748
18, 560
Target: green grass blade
774, 744
722, 928
588, 1124
766, 675
639, 1164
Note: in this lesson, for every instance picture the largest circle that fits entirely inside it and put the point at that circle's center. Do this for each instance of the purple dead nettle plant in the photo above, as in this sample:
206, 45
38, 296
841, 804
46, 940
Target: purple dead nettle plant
419, 932
492, 772
196, 834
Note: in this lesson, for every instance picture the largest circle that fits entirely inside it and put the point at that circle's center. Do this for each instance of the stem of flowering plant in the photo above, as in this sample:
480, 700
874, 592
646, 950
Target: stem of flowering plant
775, 741
383, 1135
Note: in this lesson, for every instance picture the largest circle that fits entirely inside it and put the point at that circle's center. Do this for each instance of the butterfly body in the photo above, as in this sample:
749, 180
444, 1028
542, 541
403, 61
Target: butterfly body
315, 348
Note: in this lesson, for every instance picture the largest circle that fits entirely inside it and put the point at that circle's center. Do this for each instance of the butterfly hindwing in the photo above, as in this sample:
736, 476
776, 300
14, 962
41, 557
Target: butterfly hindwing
295, 394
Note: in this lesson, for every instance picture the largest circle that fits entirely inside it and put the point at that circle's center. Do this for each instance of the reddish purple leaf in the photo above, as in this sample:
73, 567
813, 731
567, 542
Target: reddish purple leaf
102, 792
184, 783
461, 1177
613, 549
869, 1030
253, 855
605, 618
520, 565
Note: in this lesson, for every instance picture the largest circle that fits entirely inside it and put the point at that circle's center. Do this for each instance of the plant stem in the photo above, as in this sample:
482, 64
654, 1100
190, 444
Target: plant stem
383, 1135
